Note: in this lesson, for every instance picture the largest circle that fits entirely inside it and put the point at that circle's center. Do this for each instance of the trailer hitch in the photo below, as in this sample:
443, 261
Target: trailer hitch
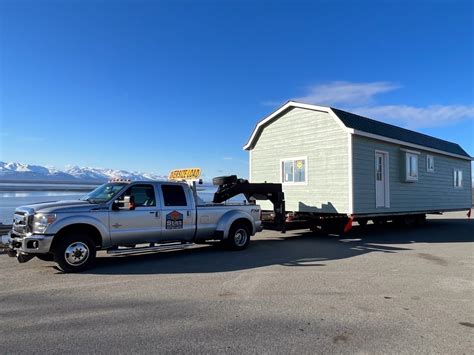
230, 186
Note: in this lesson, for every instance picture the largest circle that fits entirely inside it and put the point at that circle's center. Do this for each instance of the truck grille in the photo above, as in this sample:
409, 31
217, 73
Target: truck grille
22, 222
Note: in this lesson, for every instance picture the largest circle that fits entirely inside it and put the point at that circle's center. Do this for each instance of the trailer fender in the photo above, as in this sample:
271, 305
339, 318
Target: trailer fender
224, 224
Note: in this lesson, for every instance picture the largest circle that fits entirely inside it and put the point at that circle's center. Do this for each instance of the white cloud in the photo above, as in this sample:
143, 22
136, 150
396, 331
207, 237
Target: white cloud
361, 98
416, 117
345, 93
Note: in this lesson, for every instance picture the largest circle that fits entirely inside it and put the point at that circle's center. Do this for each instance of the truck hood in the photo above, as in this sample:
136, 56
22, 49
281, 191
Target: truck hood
67, 206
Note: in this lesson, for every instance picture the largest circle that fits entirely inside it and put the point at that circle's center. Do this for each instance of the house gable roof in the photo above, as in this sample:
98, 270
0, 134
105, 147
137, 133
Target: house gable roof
368, 125
360, 125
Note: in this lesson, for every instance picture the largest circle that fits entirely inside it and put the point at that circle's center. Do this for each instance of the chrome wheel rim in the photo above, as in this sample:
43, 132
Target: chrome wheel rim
240, 237
76, 254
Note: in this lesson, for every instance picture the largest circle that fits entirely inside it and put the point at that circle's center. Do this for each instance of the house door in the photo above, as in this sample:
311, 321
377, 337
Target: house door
381, 180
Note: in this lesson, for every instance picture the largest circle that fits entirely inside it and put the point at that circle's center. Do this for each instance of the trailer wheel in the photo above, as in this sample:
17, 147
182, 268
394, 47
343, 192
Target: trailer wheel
45, 257
420, 219
239, 237
75, 252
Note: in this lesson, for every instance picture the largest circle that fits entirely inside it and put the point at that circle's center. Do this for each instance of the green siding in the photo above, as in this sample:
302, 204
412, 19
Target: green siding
433, 190
316, 135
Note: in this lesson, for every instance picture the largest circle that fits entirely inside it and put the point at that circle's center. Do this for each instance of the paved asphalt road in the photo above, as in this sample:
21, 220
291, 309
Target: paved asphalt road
376, 291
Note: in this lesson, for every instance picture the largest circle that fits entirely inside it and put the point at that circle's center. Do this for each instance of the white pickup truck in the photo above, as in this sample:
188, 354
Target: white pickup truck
121, 215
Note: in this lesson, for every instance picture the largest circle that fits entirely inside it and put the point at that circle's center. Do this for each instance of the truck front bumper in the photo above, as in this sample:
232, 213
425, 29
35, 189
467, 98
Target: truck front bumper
30, 244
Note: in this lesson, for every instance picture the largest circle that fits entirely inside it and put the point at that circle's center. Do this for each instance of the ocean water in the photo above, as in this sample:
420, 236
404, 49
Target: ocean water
15, 197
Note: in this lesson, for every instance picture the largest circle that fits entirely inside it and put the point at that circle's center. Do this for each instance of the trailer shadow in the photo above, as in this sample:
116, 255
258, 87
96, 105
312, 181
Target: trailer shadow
297, 248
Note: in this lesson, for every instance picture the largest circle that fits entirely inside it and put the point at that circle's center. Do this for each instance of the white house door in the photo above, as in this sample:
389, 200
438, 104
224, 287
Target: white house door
381, 182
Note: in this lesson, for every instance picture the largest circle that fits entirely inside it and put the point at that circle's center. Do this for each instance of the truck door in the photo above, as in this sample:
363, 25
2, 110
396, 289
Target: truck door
178, 214
139, 225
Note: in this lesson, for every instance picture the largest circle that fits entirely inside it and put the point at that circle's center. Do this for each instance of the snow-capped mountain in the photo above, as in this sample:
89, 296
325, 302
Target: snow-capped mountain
26, 172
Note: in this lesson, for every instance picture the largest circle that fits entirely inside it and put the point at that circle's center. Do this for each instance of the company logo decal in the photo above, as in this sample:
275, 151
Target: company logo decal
174, 220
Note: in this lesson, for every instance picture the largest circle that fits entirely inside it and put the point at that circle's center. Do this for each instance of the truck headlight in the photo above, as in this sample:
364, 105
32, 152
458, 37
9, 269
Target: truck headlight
42, 221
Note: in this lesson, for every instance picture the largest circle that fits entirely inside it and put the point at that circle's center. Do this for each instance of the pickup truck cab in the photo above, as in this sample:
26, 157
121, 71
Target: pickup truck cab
120, 215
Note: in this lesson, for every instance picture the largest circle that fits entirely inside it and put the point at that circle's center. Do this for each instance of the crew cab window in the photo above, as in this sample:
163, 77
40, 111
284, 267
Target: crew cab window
173, 195
144, 195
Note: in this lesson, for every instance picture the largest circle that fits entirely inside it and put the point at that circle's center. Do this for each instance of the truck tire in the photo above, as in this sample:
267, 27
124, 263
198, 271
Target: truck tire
75, 252
45, 257
239, 237
223, 180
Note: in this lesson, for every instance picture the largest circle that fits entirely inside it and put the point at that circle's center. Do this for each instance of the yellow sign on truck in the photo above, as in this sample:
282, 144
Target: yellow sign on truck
185, 174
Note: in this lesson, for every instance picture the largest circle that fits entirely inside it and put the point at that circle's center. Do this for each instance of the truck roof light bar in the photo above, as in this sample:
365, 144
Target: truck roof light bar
120, 180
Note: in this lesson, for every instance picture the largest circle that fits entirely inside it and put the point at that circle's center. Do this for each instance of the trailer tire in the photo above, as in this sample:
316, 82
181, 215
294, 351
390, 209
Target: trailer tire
75, 252
223, 180
380, 221
45, 257
239, 237
420, 220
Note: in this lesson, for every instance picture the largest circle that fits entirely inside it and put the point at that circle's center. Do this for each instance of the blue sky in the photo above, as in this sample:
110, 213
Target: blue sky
156, 85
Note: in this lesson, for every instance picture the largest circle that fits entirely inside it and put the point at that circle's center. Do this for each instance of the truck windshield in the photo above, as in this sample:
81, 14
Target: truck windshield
103, 193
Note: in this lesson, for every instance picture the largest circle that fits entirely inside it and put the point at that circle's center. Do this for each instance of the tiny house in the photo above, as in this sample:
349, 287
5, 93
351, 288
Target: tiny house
335, 162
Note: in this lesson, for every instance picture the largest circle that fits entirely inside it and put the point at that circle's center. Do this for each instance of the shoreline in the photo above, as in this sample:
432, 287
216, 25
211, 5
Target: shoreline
47, 188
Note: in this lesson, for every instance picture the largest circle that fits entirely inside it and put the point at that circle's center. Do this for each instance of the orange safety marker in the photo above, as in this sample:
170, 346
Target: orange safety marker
348, 226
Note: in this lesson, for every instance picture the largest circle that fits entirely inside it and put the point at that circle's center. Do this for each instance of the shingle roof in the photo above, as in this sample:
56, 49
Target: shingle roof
368, 125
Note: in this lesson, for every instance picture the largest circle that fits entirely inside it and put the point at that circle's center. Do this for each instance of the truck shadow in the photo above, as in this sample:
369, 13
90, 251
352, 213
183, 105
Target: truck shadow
298, 248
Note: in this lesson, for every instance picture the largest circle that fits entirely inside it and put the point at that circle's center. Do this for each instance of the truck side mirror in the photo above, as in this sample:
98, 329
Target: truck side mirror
124, 203
128, 203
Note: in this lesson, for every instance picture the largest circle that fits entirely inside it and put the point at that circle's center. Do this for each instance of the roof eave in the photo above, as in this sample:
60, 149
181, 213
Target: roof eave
408, 144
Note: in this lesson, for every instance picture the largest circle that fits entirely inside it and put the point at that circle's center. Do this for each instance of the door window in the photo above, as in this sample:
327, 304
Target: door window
143, 195
379, 168
173, 195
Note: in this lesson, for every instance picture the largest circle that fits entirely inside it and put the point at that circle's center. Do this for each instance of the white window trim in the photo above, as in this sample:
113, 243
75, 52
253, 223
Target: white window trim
387, 178
292, 183
454, 178
428, 164
408, 154
410, 151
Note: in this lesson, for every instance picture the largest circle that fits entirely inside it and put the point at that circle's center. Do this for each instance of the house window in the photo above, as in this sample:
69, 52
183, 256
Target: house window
293, 170
430, 163
457, 178
411, 167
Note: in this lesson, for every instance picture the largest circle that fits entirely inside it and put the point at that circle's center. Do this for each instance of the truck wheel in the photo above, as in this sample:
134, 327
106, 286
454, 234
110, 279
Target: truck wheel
45, 257
239, 237
75, 253
222, 180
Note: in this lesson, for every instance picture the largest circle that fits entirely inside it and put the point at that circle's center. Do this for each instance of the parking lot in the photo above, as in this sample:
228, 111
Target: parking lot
375, 290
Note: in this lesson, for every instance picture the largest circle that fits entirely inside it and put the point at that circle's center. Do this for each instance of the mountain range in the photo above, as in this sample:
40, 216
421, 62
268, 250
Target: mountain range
26, 172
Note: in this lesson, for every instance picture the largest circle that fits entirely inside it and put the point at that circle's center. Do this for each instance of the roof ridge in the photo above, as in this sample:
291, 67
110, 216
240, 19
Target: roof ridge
394, 126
